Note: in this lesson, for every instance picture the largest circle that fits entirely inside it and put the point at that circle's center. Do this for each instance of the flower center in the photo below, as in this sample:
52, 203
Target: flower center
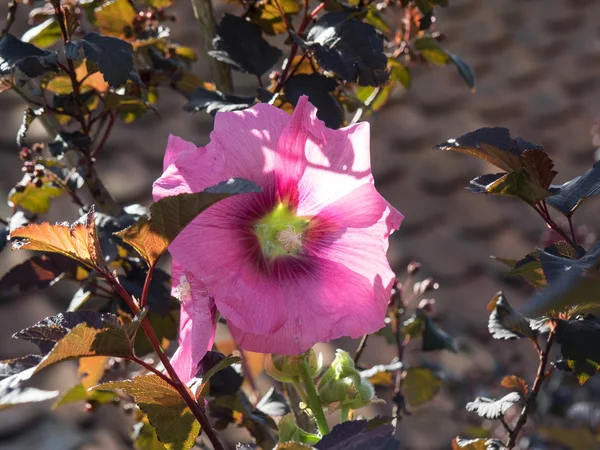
280, 233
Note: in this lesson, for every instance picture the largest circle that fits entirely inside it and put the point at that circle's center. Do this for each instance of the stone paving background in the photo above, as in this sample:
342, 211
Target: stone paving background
537, 64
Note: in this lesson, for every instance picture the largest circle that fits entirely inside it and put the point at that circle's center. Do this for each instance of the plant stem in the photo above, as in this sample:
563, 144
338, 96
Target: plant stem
544, 214
314, 403
300, 390
221, 72
360, 349
111, 122
570, 218
345, 413
151, 368
537, 384
174, 380
144, 299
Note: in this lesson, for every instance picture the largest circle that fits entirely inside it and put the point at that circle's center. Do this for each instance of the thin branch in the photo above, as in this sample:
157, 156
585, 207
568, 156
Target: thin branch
368, 102
361, 348
111, 122
144, 299
151, 368
546, 216
535, 390
174, 379
221, 72
10, 16
570, 218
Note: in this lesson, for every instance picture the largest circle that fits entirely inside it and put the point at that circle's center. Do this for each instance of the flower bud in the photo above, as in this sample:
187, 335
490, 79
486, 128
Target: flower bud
288, 429
342, 384
285, 368
413, 268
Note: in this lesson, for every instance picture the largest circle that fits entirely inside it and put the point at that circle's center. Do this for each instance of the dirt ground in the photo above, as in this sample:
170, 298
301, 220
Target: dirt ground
537, 64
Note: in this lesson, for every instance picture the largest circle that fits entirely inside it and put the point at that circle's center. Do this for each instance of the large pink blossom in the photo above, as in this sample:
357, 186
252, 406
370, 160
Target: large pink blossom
301, 262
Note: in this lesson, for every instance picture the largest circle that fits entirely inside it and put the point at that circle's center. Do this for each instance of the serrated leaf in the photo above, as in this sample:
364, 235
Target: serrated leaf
434, 338
176, 426
144, 436
359, 435
33, 198
84, 340
400, 72
494, 145
31, 60
516, 383
476, 444
349, 47
318, 88
79, 393
568, 196
216, 101
38, 272
293, 446
129, 107
115, 18
114, 56
170, 215
578, 340
505, 322
266, 14
515, 184
239, 43
45, 34
381, 374
420, 385
493, 409
78, 241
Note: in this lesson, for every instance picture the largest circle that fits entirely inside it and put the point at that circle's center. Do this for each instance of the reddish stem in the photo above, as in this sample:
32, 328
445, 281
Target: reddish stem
546, 216
113, 118
174, 380
144, 299
151, 368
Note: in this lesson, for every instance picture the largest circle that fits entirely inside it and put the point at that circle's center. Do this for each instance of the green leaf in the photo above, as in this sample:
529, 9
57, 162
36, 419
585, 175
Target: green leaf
293, 445
505, 322
493, 409
144, 436
115, 18
514, 184
434, 338
170, 215
400, 72
266, 14
31, 60
78, 393
431, 50
129, 107
420, 385
45, 34
578, 340
158, 4
176, 426
114, 56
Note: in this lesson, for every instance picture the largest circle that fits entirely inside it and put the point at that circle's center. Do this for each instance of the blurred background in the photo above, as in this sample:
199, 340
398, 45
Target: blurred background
537, 64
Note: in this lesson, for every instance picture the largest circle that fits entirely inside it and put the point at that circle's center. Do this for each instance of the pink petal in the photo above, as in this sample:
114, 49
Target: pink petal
316, 165
197, 324
176, 146
324, 303
354, 232
241, 145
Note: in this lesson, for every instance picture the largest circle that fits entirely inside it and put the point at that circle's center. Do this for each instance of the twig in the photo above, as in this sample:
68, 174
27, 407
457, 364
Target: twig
10, 16
368, 102
151, 368
360, 349
398, 305
144, 299
221, 72
174, 380
537, 384
572, 229
111, 122
546, 216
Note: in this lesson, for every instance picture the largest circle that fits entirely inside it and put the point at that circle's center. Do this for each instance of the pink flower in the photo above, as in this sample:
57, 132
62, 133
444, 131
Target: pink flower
301, 262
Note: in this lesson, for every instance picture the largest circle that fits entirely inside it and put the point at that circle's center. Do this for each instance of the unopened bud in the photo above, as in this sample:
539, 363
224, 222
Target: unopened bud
413, 268
25, 154
426, 286
288, 429
286, 368
342, 384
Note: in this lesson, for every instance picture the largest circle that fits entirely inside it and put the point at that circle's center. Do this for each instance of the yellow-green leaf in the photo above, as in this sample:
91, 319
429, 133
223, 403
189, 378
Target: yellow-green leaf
176, 426
78, 241
420, 385
115, 17
43, 35
170, 215
266, 14
33, 198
